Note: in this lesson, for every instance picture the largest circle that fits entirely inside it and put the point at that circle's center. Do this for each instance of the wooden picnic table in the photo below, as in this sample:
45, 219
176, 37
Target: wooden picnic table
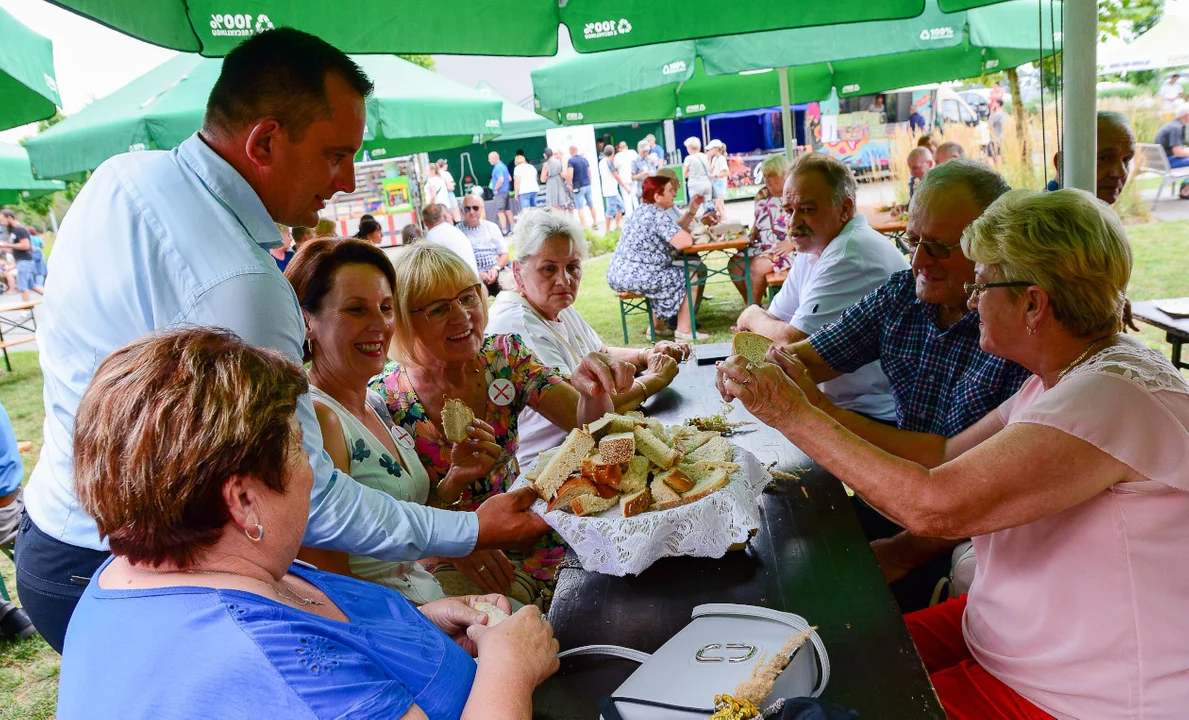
1176, 329
702, 251
17, 317
809, 558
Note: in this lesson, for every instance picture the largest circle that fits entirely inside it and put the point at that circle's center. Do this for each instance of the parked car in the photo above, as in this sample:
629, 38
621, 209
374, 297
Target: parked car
979, 100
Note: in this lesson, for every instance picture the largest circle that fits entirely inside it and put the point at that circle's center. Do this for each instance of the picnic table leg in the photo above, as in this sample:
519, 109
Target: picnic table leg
1176, 351
747, 274
689, 297
7, 364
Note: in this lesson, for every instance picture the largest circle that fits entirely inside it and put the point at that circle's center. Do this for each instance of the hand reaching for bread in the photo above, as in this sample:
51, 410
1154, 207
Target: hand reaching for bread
523, 647
601, 375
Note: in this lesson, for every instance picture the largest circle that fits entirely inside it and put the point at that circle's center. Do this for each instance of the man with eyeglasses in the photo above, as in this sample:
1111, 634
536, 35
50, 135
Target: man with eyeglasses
487, 242
920, 329
439, 230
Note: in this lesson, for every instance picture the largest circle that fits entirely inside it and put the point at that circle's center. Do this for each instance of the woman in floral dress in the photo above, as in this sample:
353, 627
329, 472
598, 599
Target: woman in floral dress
770, 250
441, 314
643, 259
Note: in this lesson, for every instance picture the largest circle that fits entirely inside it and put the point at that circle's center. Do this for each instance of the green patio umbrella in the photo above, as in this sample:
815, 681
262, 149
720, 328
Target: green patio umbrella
412, 110
28, 89
16, 179
725, 74
516, 122
475, 27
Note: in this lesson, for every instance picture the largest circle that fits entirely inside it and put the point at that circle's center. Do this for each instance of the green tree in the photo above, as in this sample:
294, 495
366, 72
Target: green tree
424, 61
1127, 18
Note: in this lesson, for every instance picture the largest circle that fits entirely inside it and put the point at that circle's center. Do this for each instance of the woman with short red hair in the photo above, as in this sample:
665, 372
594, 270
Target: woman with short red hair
643, 259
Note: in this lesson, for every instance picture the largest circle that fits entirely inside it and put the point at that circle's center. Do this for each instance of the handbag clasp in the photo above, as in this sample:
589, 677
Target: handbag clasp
703, 654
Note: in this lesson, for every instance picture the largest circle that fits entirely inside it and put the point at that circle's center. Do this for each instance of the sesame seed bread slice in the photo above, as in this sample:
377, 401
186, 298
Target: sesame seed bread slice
617, 447
455, 418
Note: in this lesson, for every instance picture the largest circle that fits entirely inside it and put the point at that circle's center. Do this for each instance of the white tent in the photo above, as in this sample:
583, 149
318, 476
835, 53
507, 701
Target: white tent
1165, 45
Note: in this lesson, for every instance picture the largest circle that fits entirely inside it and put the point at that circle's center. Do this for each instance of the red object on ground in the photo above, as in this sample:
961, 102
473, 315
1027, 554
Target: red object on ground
967, 691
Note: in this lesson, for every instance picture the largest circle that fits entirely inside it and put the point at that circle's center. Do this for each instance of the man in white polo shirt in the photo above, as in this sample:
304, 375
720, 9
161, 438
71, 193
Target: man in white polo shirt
840, 259
439, 230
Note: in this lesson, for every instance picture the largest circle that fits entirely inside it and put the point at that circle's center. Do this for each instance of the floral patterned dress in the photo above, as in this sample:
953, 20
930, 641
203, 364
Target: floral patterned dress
771, 223
643, 260
503, 357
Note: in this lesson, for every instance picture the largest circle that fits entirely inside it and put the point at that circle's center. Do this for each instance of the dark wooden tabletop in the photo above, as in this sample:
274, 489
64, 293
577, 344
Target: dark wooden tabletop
809, 558
1149, 312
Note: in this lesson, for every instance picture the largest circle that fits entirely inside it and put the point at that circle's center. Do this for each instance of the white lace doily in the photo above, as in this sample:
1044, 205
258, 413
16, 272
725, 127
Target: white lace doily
614, 545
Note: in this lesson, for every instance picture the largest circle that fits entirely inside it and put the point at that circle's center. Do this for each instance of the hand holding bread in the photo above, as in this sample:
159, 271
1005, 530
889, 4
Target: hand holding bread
764, 389
470, 459
601, 375
522, 647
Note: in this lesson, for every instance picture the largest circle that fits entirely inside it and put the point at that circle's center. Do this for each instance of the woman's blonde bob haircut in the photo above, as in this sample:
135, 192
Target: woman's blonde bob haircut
425, 272
1067, 242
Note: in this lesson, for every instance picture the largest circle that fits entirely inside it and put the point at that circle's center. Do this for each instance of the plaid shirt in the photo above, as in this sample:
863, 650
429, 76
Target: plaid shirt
487, 241
941, 380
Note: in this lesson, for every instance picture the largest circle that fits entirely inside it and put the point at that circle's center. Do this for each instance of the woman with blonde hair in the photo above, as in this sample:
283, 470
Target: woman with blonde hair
1075, 491
440, 316
770, 249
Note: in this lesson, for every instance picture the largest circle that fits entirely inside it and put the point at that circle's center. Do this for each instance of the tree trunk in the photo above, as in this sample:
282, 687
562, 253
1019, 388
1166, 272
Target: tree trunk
1017, 104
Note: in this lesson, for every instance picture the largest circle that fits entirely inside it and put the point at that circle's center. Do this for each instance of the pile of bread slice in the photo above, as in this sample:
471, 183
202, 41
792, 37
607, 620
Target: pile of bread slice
633, 462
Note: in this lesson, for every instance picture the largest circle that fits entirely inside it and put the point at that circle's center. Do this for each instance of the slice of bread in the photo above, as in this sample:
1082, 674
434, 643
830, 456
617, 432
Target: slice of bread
617, 447
495, 616
677, 480
713, 482
612, 423
689, 442
702, 468
635, 503
715, 449
600, 471
653, 448
663, 496
751, 346
568, 459
592, 504
636, 476
658, 429
455, 418
569, 490
543, 458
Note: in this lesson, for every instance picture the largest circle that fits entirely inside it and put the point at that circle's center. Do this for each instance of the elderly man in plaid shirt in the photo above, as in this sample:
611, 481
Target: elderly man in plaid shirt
926, 339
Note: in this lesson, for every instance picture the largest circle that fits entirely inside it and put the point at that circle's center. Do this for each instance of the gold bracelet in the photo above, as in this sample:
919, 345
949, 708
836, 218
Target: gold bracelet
643, 388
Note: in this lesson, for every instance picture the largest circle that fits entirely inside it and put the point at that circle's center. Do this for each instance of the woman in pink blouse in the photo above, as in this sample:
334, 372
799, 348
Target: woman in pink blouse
1076, 490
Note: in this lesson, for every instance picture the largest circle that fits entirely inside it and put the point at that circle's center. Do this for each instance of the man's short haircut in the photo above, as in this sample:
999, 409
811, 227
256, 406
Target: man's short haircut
7, 212
925, 140
608, 151
951, 148
433, 214
1117, 120
983, 183
918, 152
410, 234
301, 234
166, 421
280, 74
835, 172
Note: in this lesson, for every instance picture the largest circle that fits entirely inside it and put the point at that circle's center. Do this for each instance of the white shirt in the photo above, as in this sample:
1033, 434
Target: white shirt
817, 292
607, 177
185, 241
448, 183
560, 344
623, 165
436, 187
1171, 92
451, 238
527, 175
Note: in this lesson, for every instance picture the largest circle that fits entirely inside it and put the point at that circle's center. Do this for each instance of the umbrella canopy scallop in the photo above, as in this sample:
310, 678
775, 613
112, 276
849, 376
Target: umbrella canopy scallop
16, 179
27, 83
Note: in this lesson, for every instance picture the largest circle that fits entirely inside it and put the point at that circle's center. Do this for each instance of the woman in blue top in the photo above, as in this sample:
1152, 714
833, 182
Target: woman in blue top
188, 455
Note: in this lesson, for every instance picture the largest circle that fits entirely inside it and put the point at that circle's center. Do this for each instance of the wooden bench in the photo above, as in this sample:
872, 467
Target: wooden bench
775, 280
26, 321
633, 304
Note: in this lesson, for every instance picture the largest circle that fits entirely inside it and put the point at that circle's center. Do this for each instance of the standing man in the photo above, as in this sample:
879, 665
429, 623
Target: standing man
583, 200
1171, 137
185, 237
17, 240
623, 169
840, 259
501, 187
1172, 93
439, 230
487, 242
611, 182
656, 153
995, 121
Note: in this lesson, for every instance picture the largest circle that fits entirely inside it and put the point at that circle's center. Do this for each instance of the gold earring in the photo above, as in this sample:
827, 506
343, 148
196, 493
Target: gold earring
259, 533
1030, 330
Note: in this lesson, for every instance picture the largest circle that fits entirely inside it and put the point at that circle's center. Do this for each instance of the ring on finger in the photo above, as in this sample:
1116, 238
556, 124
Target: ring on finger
481, 568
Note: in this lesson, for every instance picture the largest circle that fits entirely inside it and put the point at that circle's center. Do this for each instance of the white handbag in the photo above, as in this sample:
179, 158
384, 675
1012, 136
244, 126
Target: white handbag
710, 656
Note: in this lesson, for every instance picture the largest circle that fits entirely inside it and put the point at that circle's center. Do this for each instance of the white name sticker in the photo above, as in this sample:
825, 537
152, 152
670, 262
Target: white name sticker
501, 391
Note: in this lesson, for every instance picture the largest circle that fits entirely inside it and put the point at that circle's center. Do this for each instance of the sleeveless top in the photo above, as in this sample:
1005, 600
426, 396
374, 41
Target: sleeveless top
1083, 611
372, 465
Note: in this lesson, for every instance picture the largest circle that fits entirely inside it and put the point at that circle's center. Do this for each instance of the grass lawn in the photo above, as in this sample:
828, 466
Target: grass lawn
29, 670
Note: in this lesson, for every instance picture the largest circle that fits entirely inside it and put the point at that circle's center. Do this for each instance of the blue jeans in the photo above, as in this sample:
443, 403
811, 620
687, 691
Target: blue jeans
527, 200
614, 205
26, 275
1176, 162
583, 197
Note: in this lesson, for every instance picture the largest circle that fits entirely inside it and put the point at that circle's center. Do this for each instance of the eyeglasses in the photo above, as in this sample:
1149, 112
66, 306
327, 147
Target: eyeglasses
439, 310
471, 208
935, 250
976, 289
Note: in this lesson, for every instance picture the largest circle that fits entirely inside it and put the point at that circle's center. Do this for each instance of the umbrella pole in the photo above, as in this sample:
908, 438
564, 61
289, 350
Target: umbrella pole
1079, 44
786, 120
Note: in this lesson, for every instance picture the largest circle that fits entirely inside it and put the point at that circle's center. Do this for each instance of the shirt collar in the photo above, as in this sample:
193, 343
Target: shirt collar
839, 243
967, 321
226, 184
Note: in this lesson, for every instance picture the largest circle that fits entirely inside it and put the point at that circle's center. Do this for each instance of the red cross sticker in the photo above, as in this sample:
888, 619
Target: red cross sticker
501, 391
402, 437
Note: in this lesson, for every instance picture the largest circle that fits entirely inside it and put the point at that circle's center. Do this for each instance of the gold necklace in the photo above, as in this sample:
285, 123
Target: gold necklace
292, 595
1080, 358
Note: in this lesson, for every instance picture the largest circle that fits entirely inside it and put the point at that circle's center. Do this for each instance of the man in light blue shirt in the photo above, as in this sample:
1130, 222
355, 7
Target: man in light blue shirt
840, 259
186, 236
